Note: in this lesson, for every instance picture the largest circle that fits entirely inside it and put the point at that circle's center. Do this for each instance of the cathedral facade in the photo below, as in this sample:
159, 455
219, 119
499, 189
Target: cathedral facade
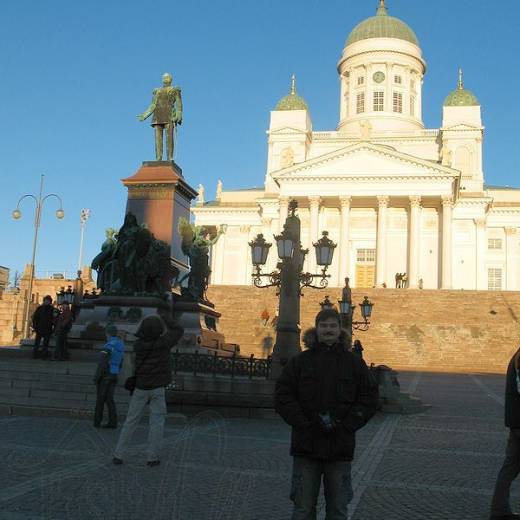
395, 196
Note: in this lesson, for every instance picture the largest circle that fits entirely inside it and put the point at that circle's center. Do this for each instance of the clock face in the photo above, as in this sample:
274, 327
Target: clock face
378, 76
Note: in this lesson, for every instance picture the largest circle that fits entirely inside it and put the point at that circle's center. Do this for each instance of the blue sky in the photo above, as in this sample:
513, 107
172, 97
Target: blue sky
74, 75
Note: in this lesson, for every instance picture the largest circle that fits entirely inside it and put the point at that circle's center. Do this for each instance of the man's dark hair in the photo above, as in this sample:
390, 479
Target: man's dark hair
325, 314
47, 298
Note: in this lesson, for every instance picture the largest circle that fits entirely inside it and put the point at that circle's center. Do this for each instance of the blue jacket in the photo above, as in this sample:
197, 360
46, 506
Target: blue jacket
116, 348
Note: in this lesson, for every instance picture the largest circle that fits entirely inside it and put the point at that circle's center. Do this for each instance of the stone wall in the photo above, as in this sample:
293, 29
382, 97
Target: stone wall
13, 302
449, 331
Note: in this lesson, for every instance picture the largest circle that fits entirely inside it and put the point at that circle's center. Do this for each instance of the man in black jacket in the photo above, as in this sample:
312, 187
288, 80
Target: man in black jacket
43, 323
153, 373
500, 507
325, 394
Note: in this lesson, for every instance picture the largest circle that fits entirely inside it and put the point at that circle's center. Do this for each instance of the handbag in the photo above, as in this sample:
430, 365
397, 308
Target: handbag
131, 381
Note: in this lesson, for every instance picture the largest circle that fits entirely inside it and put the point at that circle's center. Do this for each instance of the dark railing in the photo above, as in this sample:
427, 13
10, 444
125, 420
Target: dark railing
233, 366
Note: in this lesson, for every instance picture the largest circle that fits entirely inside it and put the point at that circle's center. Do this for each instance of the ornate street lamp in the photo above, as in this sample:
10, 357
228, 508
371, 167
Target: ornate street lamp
346, 309
289, 279
17, 214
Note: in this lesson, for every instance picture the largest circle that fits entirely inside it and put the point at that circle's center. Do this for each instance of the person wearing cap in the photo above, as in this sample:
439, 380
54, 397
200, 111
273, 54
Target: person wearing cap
43, 325
105, 378
153, 372
325, 394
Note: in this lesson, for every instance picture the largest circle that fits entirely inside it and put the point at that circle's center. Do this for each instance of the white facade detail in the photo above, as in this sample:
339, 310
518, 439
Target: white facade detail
394, 196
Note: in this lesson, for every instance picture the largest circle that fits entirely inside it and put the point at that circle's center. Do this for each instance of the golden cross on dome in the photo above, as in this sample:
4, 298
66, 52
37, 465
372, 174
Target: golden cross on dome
293, 84
461, 81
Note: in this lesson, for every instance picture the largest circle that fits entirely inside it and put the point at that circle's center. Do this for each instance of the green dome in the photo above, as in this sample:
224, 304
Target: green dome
382, 26
461, 97
292, 101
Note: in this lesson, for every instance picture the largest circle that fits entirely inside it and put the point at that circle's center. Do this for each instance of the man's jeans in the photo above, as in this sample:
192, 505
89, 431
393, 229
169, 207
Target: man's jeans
510, 469
105, 394
306, 481
140, 399
37, 341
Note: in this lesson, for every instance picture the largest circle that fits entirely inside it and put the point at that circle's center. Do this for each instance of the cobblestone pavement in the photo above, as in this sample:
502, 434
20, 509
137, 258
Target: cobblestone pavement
439, 465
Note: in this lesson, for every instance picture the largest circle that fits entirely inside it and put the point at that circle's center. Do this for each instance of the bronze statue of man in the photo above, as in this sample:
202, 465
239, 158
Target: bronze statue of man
166, 107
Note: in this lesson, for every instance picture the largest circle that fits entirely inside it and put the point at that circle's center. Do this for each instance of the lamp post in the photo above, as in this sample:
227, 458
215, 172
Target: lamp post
290, 279
83, 217
346, 310
17, 214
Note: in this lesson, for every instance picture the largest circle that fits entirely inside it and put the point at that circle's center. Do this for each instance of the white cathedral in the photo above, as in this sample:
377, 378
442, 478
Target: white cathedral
396, 197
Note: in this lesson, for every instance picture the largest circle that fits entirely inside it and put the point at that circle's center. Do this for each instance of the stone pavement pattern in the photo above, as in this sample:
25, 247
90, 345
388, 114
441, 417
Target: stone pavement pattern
440, 465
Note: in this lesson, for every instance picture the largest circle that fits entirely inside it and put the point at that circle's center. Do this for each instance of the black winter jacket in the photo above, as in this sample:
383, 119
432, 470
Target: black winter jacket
512, 401
323, 379
153, 367
43, 320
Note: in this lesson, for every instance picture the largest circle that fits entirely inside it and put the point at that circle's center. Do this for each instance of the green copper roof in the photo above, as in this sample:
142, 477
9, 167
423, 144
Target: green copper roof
292, 101
382, 26
461, 97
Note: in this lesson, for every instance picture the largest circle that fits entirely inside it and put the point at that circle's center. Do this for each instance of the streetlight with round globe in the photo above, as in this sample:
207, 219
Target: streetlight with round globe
17, 215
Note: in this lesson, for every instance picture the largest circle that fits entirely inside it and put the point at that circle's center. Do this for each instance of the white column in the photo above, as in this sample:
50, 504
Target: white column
447, 207
218, 273
480, 258
245, 239
344, 260
414, 241
314, 204
272, 258
388, 87
381, 240
511, 264
283, 210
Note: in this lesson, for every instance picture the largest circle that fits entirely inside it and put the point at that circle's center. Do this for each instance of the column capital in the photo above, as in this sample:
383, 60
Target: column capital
246, 228
283, 199
447, 200
314, 200
415, 201
383, 200
509, 230
345, 201
480, 222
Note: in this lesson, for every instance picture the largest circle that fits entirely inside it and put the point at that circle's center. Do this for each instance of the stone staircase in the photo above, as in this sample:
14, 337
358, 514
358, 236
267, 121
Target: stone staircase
37, 387
449, 331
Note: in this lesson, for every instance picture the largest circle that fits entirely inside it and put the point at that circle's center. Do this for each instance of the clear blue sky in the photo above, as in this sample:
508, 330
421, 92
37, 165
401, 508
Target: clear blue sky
75, 74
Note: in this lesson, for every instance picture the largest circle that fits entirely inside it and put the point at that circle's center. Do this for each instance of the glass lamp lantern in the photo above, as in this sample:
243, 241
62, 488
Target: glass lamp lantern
366, 308
345, 307
259, 250
285, 246
324, 250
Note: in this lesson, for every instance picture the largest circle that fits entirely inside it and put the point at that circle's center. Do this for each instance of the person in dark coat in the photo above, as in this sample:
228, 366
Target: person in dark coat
500, 506
43, 325
62, 329
326, 394
109, 365
357, 348
153, 371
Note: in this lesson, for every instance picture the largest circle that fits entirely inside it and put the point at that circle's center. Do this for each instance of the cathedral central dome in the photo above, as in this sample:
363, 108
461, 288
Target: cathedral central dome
382, 26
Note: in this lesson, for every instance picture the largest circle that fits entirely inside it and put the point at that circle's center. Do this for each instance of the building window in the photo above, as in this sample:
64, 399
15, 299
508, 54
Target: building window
494, 279
412, 106
398, 102
361, 80
494, 243
398, 80
379, 101
366, 256
360, 103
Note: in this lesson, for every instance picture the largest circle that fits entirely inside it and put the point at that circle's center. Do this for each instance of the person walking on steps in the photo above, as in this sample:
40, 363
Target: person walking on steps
43, 325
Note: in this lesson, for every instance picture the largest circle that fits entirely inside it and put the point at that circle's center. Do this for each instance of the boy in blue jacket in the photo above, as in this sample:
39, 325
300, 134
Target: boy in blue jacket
105, 379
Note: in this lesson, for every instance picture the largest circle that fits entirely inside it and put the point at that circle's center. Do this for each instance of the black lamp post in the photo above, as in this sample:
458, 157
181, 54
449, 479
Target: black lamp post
290, 279
346, 309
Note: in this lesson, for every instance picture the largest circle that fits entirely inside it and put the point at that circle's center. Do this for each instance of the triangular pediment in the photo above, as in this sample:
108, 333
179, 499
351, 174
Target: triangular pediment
365, 159
285, 130
462, 127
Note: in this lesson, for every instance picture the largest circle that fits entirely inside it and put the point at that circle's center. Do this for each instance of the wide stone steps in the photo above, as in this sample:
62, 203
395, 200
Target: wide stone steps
413, 329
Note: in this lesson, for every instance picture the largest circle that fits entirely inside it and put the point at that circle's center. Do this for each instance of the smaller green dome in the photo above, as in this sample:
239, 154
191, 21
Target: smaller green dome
292, 101
382, 26
461, 97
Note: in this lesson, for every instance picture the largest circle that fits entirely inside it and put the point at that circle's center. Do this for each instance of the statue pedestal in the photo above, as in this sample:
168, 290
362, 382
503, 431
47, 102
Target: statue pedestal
200, 322
159, 196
